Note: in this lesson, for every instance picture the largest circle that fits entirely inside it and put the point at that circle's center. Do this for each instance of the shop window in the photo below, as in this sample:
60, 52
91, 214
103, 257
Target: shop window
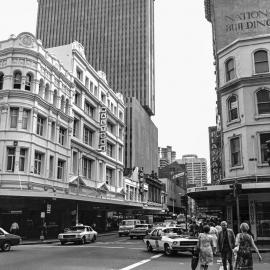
261, 61
11, 159
230, 71
263, 101
1, 80
235, 152
14, 116
17, 80
263, 219
28, 82
264, 137
233, 108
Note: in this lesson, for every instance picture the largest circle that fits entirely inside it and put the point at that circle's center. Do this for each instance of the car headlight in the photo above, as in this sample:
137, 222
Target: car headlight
78, 236
60, 236
175, 243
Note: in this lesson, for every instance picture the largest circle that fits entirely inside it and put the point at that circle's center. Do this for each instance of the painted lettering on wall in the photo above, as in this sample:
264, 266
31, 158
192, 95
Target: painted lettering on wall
247, 20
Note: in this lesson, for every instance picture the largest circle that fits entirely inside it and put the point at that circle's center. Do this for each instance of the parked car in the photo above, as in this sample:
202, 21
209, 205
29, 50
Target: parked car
7, 240
170, 240
140, 230
126, 225
79, 234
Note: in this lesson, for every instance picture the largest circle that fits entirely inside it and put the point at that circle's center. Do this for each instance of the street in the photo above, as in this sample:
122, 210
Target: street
109, 252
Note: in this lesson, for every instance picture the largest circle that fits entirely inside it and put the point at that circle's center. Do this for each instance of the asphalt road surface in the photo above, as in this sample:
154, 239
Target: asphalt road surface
108, 253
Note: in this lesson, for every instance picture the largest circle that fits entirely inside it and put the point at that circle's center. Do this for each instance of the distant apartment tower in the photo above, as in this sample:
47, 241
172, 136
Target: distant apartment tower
166, 156
118, 37
196, 170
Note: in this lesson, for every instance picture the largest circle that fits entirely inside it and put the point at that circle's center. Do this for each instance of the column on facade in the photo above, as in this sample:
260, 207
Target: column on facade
35, 86
3, 116
8, 82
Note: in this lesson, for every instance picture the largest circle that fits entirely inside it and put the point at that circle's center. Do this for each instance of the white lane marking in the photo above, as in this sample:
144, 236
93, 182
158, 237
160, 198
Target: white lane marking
141, 262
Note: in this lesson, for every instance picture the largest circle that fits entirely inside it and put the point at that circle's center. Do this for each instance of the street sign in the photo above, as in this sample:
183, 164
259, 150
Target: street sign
49, 207
42, 214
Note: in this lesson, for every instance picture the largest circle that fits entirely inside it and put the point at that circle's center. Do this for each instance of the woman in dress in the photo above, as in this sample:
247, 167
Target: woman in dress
244, 242
206, 247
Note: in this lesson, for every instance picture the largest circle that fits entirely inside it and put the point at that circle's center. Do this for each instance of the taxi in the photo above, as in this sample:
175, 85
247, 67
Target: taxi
78, 234
170, 240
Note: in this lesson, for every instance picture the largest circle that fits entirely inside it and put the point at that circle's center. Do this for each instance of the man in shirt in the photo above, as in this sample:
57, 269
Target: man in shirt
225, 245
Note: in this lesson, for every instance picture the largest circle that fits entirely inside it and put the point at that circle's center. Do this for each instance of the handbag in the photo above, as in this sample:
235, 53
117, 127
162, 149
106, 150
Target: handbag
195, 258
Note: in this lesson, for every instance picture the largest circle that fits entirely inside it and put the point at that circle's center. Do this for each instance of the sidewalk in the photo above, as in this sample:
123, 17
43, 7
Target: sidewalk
50, 241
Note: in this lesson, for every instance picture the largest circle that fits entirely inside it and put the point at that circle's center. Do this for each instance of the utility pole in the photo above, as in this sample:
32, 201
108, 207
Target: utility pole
236, 187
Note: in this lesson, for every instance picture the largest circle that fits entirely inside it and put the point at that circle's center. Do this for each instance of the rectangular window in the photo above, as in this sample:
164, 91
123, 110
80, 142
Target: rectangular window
79, 74
121, 133
91, 87
51, 168
40, 125
87, 167
22, 160
103, 98
11, 158
53, 131
109, 176
77, 99
76, 127
109, 150
263, 139
110, 127
75, 162
86, 82
38, 163
60, 169
25, 118
62, 135
89, 109
120, 156
235, 152
87, 136
95, 91
14, 115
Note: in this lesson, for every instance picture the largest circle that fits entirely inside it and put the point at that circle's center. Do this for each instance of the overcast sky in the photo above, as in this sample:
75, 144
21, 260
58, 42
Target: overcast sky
185, 82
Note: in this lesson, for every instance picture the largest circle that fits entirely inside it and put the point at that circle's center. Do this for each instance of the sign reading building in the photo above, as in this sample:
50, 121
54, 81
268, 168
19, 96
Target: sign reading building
103, 129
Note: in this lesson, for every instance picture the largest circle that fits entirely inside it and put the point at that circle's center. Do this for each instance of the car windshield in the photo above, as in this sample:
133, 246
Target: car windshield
176, 230
141, 226
127, 222
77, 228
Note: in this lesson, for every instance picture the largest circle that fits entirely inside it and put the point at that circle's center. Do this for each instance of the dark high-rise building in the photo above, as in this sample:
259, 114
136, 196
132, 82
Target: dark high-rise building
118, 37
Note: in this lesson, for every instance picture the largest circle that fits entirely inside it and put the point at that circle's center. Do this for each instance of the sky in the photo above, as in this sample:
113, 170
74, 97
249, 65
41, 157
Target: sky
185, 81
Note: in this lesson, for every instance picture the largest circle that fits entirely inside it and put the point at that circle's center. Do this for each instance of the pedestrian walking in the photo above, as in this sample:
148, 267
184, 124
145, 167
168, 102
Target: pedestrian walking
226, 244
244, 242
214, 233
206, 248
14, 228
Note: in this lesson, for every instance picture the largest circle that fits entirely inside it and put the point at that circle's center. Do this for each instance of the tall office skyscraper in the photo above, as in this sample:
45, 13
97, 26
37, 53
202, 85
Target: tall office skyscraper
118, 37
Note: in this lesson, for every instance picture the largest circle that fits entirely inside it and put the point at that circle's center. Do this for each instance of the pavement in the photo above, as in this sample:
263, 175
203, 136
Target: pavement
51, 241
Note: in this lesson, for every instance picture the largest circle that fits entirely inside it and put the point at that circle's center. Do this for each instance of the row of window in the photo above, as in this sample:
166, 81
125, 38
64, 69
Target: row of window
236, 153
39, 159
263, 104
261, 64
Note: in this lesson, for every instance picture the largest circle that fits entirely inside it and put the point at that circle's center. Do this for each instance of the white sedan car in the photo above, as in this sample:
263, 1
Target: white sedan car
78, 234
170, 240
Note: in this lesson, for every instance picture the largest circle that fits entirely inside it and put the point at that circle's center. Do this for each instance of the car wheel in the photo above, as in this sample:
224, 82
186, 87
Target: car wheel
83, 241
62, 243
6, 246
120, 234
149, 247
168, 250
94, 239
131, 237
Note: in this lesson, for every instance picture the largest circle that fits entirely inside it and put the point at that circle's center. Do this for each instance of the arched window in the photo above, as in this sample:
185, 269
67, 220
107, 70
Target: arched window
47, 92
261, 61
263, 101
233, 108
1, 80
28, 82
230, 71
67, 106
40, 87
55, 98
17, 80
62, 103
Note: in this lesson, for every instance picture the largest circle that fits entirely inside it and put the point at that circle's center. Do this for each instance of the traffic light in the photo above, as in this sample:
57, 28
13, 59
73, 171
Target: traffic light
268, 151
236, 188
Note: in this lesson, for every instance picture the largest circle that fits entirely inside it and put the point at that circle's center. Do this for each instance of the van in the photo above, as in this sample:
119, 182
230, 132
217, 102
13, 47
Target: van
126, 225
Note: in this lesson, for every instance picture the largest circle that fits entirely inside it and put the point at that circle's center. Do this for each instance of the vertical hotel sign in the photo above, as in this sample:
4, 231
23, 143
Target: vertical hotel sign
103, 129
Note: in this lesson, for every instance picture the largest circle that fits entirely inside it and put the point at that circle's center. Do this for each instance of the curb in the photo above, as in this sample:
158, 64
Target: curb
37, 242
